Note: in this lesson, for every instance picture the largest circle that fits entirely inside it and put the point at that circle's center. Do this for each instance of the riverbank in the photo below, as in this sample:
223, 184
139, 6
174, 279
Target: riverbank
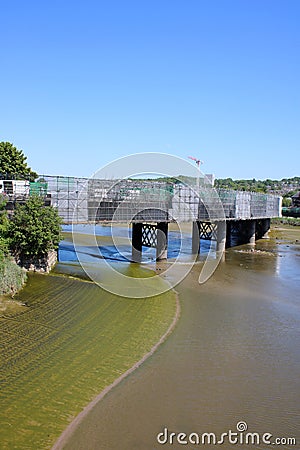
67, 341
294, 221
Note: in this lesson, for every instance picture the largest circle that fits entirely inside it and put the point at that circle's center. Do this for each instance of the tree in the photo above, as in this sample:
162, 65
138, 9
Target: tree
13, 162
35, 229
286, 202
4, 223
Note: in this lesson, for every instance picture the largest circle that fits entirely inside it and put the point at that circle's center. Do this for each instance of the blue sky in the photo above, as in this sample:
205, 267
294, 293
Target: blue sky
83, 83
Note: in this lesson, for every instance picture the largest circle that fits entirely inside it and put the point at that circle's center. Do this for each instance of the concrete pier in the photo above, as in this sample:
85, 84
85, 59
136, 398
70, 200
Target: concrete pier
137, 229
221, 236
266, 224
195, 238
207, 231
228, 234
250, 230
149, 235
161, 240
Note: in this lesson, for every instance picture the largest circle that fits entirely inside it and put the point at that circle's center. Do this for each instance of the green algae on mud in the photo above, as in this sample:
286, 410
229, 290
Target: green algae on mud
57, 353
285, 233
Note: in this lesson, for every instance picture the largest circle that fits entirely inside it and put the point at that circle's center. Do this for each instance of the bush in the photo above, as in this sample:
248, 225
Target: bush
286, 202
12, 277
34, 230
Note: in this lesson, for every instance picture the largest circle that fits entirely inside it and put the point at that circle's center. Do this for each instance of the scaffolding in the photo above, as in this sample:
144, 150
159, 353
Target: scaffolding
88, 200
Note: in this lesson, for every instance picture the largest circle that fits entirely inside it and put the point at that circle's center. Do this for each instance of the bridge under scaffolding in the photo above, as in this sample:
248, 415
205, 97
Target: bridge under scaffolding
80, 200
88, 200
225, 216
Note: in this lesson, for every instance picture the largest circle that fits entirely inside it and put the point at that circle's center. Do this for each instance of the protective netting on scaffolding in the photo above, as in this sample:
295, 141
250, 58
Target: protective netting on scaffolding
83, 200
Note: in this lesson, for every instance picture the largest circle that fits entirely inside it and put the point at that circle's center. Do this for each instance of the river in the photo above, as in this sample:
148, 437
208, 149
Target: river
234, 356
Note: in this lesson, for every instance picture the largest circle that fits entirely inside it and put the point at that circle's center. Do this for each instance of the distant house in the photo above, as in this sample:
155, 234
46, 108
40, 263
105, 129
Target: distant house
296, 200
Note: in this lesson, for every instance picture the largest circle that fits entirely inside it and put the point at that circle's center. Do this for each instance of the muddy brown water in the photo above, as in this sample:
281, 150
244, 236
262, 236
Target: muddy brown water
234, 356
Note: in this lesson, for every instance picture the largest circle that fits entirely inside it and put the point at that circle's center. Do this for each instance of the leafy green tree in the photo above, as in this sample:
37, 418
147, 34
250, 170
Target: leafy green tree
286, 201
13, 162
35, 229
4, 223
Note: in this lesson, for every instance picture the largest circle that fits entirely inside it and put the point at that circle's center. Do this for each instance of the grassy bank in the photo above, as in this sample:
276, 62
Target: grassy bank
12, 277
58, 352
295, 221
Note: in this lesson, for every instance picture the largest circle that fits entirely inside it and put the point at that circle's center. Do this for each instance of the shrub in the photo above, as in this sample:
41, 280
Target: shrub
12, 277
34, 230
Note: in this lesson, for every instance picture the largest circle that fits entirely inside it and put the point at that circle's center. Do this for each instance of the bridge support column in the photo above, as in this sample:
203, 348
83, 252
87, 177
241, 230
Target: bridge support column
137, 241
266, 223
195, 238
221, 236
251, 228
228, 233
162, 240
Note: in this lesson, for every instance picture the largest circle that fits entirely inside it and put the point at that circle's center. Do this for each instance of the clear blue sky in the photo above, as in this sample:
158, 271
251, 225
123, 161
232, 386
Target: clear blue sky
86, 82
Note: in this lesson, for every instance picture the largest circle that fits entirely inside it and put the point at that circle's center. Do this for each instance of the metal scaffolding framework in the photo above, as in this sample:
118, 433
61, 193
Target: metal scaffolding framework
83, 200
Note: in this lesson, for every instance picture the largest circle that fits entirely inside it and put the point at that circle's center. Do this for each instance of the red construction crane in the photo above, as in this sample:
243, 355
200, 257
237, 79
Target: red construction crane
197, 161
